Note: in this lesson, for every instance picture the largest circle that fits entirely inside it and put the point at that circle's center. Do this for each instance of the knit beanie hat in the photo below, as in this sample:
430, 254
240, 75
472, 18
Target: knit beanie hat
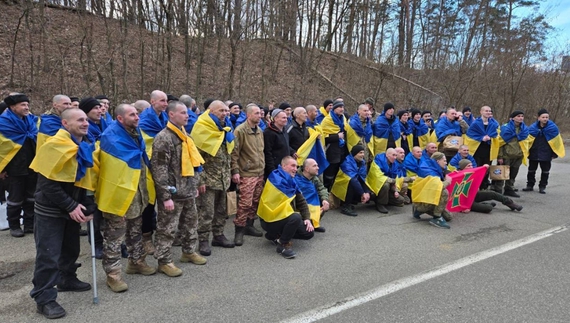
356, 149
284, 106
327, 102
463, 163
388, 106
466, 109
15, 99
516, 113
275, 112
542, 111
437, 156
87, 104
337, 104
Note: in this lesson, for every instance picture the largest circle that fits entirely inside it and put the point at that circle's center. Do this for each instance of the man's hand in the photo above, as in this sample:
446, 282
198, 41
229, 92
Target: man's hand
3, 175
500, 161
295, 156
365, 198
308, 225
486, 138
78, 216
168, 205
341, 135
325, 206
396, 194
202, 189
236, 178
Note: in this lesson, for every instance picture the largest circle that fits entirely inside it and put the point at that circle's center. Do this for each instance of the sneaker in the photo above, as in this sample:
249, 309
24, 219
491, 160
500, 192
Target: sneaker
439, 222
73, 285
286, 250
51, 310
348, 209
320, 229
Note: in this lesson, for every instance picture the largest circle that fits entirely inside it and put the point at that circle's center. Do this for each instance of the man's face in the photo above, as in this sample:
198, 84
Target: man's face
312, 114
179, 117
130, 120
389, 113
464, 151
431, 148
221, 111
417, 152
486, 112
160, 102
329, 107
280, 120
543, 118
404, 117
400, 154
75, 104
288, 111
363, 112
62, 104
301, 116
451, 114
104, 105
21, 109
417, 117
459, 116
339, 111
254, 115
235, 109
290, 167
519, 119
442, 163
391, 156
262, 113
95, 114
77, 123
427, 117
360, 156
467, 114
470, 165
312, 168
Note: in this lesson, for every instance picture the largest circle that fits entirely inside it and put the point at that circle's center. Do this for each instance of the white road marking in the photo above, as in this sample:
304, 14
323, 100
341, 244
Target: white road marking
387, 289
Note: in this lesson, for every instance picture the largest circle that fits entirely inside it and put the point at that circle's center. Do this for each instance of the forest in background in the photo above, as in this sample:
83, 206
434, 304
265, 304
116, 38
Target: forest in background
428, 54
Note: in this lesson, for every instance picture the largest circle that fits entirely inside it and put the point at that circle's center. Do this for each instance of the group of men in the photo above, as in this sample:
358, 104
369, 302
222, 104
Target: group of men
158, 174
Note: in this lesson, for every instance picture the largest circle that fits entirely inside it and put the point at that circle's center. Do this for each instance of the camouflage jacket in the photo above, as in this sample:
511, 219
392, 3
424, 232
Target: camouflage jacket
216, 174
166, 168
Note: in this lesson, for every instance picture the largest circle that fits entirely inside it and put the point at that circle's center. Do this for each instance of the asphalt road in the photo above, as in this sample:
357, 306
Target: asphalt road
372, 268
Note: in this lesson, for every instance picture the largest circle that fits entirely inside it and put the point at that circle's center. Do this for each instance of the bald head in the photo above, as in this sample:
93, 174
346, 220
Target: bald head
431, 148
417, 152
310, 168
159, 101
401, 154
75, 121
141, 105
60, 103
220, 110
391, 155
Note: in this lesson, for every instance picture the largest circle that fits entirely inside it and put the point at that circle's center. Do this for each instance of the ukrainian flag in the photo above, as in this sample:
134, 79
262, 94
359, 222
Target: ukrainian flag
313, 148
121, 159
355, 132
376, 176
333, 124
348, 169
208, 134
150, 125
552, 135
311, 195
62, 159
421, 131
428, 186
278, 193
508, 131
474, 136
382, 130
49, 125
13, 133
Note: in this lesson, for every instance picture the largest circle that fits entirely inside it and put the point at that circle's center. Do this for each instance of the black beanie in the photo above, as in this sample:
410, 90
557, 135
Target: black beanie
284, 106
101, 97
466, 109
356, 149
170, 97
207, 103
3, 106
413, 112
15, 99
327, 102
388, 106
516, 113
337, 104
542, 111
74, 99
87, 104
401, 113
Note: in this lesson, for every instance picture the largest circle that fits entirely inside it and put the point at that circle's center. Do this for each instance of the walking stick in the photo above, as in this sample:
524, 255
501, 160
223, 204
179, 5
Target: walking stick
92, 237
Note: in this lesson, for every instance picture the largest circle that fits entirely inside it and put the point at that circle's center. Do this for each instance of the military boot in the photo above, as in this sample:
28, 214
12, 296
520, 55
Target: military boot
115, 281
147, 243
250, 230
170, 270
240, 231
139, 267
194, 258
222, 241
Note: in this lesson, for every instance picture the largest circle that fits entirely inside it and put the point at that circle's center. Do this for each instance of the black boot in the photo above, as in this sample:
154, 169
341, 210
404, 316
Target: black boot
250, 229
513, 206
222, 241
238, 240
72, 284
51, 310
541, 190
528, 189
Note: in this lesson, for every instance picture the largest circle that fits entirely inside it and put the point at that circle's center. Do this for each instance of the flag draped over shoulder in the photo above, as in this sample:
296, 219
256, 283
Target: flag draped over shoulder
454, 163
191, 159
278, 193
463, 188
323, 113
309, 191
313, 148
379, 172
355, 131
49, 125
333, 124
348, 169
150, 125
508, 131
421, 131
552, 135
382, 129
13, 133
428, 185
476, 132
444, 128
96, 130
121, 159
63, 159
107, 117
208, 134
192, 118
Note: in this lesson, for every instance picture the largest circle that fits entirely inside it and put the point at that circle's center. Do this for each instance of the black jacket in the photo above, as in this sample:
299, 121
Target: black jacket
276, 146
298, 134
20, 163
58, 199
540, 149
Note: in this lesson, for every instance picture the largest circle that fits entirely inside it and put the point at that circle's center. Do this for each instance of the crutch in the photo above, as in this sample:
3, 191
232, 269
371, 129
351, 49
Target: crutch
92, 237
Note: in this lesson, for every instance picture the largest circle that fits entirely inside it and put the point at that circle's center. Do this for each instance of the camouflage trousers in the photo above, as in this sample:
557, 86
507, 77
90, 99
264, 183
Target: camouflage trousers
184, 217
213, 213
250, 189
434, 210
115, 230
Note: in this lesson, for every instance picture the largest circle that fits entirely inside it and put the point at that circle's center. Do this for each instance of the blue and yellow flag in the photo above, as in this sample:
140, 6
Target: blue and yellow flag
509, 131
552, 135
208, 134
376, 176
313, 148
428, 186
311, 195
121, 159
454, 162
150, 125
421, 131
63, 159
444, 128
192, 118
355, 132
348, 169
474, 136
49, 125
333, 124
323, 113
278, 193
382, 130
96, 130
13, 133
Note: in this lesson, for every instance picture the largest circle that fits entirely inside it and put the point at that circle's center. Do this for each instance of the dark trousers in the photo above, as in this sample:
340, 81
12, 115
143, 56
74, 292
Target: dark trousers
490, 195
57, 249
330, 174
148, 219
545, 173
292, 227
21, 191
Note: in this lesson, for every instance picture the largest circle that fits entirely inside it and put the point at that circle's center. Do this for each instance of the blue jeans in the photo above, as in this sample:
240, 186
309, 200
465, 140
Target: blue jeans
57, 249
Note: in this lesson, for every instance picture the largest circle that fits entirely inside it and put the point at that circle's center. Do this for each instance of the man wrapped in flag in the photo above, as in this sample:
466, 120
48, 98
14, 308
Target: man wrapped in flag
63, 164
448, 125
324, 111
50, 122
482, 140
334, 131
283, 221
462, 153
314, 191
313, 148
122, 193
420, 131
350, 184
430, 193
18, 133
513, 151
381, 179
359, 130
545, 144
386, 131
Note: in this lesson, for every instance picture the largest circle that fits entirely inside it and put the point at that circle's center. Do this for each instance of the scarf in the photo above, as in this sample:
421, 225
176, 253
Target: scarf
191, 158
